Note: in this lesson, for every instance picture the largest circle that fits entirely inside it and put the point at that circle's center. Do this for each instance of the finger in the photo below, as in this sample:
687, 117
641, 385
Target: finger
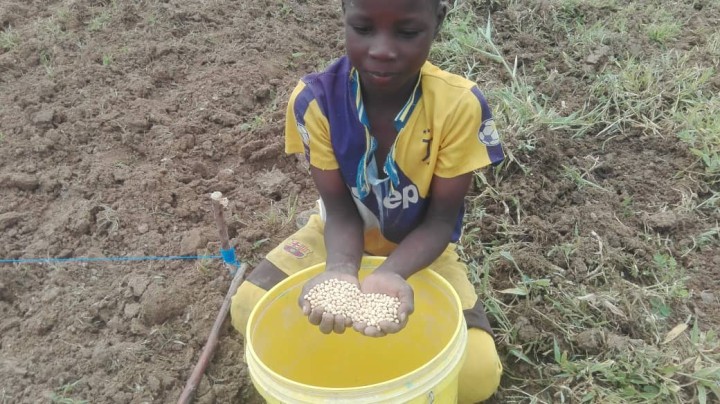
359, 327
390, 327
407, 304
306, 307
404, 311
326, 324
339, 324
373, 332
316, 315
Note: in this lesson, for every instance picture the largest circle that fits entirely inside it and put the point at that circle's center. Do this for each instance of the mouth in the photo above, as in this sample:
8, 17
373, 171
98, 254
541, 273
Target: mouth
380, 78
383, 75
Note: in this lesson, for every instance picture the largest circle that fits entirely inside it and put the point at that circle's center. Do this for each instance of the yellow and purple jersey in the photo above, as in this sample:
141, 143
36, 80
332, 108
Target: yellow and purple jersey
445, 129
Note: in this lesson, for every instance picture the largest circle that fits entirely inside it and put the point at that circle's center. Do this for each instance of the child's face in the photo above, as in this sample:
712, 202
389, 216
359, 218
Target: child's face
388, 41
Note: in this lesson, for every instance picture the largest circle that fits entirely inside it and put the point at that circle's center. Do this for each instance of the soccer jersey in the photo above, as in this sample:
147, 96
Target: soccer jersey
445, 129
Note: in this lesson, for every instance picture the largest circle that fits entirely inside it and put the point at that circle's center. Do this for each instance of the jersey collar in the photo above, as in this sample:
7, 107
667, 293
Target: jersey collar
401, 119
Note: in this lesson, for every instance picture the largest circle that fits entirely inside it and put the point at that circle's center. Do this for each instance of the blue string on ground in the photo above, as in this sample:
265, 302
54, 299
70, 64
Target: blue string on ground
230, 259
101, 259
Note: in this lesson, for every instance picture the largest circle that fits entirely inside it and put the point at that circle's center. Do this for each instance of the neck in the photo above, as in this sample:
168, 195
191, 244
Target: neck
393, 100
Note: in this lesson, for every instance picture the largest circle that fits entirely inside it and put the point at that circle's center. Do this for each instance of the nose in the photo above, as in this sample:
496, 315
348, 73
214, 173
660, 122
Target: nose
382, 48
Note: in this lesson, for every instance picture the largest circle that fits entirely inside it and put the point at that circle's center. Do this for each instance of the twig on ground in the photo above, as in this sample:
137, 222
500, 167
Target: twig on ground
218, 203
211, 344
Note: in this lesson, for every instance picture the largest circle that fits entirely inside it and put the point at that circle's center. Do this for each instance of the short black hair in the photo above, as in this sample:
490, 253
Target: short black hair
435, 3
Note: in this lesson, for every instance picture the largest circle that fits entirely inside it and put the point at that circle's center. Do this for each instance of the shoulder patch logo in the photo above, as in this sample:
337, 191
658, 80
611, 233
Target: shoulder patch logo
488, 133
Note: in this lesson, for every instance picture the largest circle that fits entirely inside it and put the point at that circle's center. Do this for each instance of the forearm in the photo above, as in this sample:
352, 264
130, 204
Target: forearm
344, 241
343, 225
419, 249
427, 242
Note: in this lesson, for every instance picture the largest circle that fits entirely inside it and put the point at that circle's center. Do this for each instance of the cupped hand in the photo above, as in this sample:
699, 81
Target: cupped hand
393, 285
326, 321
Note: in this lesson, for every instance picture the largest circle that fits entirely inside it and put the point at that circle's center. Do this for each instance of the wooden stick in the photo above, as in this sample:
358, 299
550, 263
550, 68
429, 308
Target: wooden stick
212, 341
218, 202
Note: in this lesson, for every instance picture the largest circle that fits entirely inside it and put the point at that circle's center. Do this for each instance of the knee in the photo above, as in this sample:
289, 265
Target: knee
480, 374
242, 304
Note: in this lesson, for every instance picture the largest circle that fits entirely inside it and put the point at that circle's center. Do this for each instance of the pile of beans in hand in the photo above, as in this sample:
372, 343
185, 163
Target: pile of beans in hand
344, 298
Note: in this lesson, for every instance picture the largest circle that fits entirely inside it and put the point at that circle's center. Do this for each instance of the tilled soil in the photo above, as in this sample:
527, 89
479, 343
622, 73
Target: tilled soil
118, 119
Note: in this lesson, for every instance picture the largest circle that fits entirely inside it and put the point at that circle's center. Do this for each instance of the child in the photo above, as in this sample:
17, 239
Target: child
392, 142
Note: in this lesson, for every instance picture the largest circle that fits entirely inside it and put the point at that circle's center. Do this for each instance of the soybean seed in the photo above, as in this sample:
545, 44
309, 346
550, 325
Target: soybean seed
344, 298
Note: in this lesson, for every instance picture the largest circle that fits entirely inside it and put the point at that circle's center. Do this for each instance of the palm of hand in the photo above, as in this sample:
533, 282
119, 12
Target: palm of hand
327, 322
392, 285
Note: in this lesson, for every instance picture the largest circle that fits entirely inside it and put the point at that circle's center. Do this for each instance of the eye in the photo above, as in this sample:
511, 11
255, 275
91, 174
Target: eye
408, 33
362, 29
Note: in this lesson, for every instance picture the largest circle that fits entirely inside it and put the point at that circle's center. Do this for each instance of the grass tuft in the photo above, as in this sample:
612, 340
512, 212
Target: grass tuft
9, 39
99, 21
61, 395
587, 317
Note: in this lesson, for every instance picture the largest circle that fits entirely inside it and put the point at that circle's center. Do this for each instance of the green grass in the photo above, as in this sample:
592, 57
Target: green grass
99, 21
652, 348
46, 61
107, 60
665, 28
580, 177
280, 214
205, 266
9, 39
61, 395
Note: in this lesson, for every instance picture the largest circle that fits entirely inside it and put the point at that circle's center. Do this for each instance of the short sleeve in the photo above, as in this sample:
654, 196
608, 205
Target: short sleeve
307, 129
470, 140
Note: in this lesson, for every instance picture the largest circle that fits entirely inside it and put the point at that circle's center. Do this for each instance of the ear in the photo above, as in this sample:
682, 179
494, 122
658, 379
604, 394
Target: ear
442, 11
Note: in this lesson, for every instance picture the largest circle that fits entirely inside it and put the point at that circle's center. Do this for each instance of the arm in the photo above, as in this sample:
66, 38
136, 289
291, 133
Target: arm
468, 141
417, 251
461, 151
307, 131
343, 242
425, 244
343, 225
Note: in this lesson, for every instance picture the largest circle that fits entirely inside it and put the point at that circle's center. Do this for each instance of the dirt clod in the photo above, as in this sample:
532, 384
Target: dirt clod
160, 305
663, 222
10, 219
590, 341
24, 182
192, 241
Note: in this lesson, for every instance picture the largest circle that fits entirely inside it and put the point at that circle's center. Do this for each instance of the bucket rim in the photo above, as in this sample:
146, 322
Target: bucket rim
367, 262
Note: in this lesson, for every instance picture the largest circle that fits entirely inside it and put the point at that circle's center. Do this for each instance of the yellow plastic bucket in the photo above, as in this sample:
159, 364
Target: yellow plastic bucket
291, 361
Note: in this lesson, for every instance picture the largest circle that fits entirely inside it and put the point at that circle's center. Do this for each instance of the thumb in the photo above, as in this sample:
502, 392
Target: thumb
304, 304
306, 309
407, 304
404, 311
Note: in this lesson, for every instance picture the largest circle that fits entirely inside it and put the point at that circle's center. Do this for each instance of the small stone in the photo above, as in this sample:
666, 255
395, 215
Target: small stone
225, 175
708, 297
44, 118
